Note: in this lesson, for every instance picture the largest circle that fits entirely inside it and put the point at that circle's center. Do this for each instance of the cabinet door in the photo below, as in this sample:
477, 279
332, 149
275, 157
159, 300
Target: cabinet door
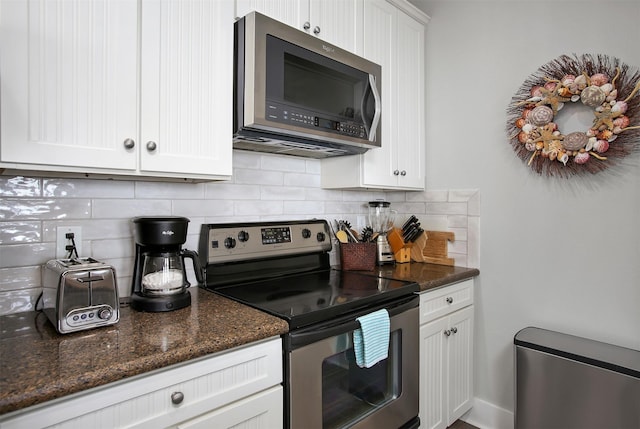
433, 367
292, 12
69, 78
263, 410
380, 42
409, 126
460, 373
338, 22
186, 86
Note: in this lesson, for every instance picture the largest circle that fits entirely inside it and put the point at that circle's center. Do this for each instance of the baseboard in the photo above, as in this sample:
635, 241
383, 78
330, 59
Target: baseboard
486, 415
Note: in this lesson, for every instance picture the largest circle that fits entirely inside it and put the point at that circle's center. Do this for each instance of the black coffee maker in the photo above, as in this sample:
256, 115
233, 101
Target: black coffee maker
159, 276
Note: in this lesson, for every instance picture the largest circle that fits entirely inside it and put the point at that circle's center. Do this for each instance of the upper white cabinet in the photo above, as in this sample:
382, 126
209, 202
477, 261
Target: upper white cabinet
129, 87
338, 22
394, 37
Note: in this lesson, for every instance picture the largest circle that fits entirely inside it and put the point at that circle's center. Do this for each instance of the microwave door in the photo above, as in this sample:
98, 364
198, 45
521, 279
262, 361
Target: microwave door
370, 118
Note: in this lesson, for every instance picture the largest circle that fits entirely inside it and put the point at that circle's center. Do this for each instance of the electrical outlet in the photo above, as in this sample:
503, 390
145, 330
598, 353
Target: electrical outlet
62, 241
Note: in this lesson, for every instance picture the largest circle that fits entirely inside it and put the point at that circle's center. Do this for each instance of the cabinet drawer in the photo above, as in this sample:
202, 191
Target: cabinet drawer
443, 301
149, 401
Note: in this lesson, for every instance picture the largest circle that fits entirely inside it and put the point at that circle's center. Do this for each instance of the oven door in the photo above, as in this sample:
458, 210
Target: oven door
327, 389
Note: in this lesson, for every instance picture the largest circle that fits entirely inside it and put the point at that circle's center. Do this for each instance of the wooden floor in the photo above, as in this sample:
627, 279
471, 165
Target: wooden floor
459, 424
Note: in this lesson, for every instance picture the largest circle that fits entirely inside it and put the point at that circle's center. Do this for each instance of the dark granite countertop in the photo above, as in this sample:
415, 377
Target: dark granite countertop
38, 365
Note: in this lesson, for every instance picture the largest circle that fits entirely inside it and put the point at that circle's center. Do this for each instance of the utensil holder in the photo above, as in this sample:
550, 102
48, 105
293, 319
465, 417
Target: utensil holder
358, 256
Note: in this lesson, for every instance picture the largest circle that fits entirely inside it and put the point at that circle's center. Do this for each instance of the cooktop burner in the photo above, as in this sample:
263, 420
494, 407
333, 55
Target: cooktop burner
309, 298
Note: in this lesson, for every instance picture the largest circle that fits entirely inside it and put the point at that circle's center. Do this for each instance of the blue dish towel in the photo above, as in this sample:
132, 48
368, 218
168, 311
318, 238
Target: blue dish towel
371, 340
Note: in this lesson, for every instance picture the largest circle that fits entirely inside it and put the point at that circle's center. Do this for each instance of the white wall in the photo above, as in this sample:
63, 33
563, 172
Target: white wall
557, 254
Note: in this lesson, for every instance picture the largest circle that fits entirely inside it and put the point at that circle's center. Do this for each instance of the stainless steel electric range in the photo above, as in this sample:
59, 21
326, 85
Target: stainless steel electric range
283, 268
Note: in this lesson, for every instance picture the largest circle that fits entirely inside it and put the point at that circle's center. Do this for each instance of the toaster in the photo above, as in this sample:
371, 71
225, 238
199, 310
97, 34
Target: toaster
79, 294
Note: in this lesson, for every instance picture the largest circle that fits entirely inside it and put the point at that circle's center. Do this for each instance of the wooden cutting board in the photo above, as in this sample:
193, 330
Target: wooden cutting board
436, 248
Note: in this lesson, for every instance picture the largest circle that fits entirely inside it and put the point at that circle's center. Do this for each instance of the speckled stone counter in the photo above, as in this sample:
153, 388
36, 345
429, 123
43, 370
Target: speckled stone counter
429, 276
37, 364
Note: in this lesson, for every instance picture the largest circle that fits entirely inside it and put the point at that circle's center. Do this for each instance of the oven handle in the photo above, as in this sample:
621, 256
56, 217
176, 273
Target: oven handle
347, 324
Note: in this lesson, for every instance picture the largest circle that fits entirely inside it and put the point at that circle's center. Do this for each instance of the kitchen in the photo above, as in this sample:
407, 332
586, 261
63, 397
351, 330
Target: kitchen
535, 272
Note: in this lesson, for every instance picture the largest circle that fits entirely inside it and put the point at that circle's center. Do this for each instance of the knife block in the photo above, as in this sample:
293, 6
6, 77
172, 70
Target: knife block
401, 250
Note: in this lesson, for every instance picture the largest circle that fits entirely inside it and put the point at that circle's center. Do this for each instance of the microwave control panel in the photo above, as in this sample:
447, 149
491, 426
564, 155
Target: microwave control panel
303, 118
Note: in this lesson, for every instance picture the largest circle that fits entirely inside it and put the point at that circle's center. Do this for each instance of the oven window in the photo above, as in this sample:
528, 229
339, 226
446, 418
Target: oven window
350, 393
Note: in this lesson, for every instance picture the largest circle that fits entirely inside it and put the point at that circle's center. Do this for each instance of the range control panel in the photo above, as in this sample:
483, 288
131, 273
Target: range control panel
220, 243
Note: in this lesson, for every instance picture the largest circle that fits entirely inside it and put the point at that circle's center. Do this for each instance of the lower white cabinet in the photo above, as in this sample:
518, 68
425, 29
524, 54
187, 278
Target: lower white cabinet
446, 354
240, 389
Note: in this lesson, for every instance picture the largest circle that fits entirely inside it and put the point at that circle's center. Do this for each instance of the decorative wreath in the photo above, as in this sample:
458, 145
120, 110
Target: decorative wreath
604, 83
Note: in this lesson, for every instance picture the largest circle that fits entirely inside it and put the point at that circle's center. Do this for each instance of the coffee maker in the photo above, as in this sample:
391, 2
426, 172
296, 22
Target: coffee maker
159, 277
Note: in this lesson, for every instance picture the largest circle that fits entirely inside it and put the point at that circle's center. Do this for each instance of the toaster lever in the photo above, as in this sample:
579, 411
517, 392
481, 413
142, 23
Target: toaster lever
89, 279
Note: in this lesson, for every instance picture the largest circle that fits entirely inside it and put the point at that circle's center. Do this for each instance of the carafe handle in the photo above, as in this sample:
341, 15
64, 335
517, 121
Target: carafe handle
197, 268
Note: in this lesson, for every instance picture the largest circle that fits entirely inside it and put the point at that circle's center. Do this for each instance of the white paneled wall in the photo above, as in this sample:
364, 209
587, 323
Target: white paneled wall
264, 187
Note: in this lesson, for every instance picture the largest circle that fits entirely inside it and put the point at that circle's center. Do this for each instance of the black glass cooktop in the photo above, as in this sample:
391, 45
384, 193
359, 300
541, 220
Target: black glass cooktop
305, 299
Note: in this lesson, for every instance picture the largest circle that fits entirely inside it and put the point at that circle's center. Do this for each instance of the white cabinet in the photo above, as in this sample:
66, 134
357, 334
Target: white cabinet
338, 22
446, 354
129, 87
239, 388
394, 37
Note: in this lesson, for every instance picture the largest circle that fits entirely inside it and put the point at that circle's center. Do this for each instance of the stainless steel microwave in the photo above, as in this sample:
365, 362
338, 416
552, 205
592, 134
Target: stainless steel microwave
295, 94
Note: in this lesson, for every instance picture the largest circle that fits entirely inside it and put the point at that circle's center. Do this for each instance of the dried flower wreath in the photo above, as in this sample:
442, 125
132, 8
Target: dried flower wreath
601, 82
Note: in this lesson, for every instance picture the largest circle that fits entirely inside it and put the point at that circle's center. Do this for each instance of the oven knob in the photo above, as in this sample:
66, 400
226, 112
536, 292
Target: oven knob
243, 236
229, 242
320, 236
306, 233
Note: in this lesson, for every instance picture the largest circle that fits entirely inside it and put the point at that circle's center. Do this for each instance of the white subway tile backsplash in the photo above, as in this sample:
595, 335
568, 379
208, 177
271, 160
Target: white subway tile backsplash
258, 208
160, 190
447, 208
309, 208
16, 278
19, 186
190, 208
299, 179
231, 191
128, 208
24, 255
258, 177
263, 187
85, 188
20, 208
20, 232
283, 163
281, 193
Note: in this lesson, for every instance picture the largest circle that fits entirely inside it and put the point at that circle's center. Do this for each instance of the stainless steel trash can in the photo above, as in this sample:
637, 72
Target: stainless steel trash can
566, 382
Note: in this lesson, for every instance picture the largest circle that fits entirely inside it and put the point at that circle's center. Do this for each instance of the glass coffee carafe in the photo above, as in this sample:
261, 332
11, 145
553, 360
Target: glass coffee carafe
163, 273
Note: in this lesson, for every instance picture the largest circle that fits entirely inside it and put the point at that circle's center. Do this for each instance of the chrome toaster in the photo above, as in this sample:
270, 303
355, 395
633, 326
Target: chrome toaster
79, 294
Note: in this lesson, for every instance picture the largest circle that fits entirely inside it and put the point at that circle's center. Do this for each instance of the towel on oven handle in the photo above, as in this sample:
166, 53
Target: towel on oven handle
371, 340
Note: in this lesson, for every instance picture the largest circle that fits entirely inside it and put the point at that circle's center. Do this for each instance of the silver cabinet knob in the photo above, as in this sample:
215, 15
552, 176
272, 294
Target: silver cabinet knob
151, 146
447, 332
449, 300
177, 397
316, 30
403, 173
306, 25
396, 172
129, 144
454, 330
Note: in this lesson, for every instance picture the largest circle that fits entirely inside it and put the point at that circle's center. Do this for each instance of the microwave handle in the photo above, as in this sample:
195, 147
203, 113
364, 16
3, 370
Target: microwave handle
371, 130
